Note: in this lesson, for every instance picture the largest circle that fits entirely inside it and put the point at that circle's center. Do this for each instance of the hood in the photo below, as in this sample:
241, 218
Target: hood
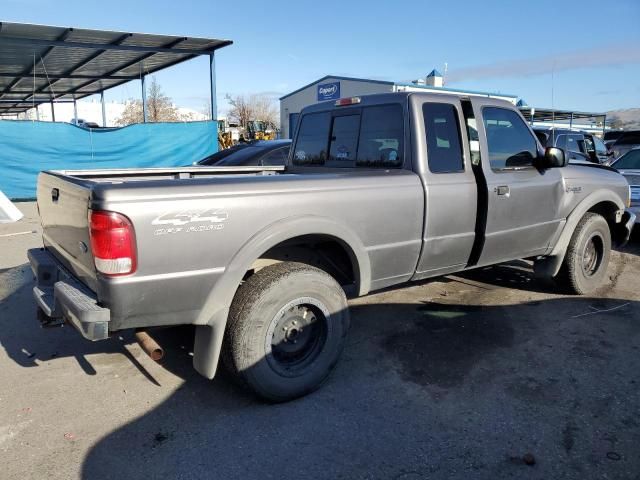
585, 163
632, 175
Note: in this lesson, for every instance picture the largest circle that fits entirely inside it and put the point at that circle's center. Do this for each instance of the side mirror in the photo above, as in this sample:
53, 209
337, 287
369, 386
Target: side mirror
553, 158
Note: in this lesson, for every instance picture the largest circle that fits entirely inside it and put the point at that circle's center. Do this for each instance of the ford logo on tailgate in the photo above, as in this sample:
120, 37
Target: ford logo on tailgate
328, 91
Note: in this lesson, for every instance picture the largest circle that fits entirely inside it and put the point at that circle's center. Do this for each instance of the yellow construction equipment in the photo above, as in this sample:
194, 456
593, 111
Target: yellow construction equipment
258, 130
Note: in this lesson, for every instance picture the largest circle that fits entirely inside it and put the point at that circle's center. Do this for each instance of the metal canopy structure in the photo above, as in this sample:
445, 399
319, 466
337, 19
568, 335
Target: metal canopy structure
45, 64
534, 114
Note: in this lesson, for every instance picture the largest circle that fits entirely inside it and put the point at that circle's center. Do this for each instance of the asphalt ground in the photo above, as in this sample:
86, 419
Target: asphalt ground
487, 374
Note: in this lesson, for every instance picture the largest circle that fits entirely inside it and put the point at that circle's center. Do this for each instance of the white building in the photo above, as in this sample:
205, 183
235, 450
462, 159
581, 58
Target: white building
333, 87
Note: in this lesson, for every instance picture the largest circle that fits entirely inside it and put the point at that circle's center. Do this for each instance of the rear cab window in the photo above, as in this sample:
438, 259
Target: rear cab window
444, 146
313, 136
364, 137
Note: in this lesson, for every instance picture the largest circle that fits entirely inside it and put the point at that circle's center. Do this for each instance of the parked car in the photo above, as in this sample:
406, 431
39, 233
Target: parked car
628, 140
578, 145
379, 190
260, 152
80, 122
629, 166
612, 135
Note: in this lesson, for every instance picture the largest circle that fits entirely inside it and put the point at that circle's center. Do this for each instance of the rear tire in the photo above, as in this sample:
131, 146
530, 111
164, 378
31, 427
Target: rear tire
286, 330
587, 257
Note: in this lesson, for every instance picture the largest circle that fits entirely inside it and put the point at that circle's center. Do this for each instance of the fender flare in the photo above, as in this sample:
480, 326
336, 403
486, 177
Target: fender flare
550, 265
212, 319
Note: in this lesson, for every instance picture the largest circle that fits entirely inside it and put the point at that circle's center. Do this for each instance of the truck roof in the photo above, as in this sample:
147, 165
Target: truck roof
395, 97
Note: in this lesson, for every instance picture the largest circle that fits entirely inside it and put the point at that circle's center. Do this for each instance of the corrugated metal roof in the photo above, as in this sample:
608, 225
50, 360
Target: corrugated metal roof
41, 62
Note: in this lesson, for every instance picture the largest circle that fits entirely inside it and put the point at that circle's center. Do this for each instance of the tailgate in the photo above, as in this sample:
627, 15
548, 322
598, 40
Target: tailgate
63, 204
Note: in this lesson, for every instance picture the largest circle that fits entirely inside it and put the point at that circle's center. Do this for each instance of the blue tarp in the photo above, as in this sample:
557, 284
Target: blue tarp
27, 148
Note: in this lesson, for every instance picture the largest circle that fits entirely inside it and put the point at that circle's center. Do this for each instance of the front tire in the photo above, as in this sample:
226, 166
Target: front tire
587, 257
286, 330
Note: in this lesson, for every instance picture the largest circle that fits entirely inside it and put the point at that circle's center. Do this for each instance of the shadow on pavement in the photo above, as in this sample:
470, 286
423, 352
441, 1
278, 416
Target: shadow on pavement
424, 390
446, 391
26, 343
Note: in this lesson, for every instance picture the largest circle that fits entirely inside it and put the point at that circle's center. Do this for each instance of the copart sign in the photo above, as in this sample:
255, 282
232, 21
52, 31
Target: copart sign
328, 91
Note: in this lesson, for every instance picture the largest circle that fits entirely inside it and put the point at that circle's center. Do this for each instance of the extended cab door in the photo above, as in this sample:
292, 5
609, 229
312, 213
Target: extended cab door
445, 170
523, 202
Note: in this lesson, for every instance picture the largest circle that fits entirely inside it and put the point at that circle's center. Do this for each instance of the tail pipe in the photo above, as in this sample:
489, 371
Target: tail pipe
149, 345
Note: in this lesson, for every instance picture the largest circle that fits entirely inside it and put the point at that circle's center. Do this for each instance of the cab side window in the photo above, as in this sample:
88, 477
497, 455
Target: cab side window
444, 149
509, 141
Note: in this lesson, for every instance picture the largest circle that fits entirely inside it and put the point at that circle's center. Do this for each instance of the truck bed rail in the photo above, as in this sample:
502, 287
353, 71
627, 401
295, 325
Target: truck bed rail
167, 173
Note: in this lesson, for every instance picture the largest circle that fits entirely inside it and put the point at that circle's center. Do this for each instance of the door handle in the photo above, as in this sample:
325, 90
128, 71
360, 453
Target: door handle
502, 190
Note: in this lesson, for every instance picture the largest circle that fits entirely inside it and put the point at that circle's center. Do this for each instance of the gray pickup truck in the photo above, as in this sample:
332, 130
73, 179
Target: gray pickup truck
378, 190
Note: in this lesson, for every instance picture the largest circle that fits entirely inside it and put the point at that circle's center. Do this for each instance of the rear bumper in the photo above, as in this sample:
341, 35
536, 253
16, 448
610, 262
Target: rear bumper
61, 298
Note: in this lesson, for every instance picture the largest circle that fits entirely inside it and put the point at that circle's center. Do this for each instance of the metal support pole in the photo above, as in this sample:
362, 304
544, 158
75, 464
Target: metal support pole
212, 80
53, 112
104, 112
571, 121
144, 98
604, 125
75, 111
37, 113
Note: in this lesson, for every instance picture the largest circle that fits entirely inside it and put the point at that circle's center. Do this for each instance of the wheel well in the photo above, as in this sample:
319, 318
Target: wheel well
322, 251
608, 210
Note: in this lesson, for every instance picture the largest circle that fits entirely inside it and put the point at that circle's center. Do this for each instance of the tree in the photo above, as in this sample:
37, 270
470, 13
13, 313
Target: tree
247, 108
160, 108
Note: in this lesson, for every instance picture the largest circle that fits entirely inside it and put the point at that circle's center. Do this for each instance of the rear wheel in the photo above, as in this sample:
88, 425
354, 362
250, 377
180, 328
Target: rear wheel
585, 263
286, 330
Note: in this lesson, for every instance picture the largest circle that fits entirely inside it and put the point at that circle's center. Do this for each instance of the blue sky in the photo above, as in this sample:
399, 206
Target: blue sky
593, 47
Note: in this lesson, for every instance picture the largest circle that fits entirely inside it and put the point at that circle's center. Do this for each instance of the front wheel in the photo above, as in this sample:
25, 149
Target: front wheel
286, 330
585, 263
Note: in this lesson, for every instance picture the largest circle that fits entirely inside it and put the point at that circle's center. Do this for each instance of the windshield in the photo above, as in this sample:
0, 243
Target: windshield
630, 161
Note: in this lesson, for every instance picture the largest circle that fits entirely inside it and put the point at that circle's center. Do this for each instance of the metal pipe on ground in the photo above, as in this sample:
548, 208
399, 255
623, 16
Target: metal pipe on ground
149, 345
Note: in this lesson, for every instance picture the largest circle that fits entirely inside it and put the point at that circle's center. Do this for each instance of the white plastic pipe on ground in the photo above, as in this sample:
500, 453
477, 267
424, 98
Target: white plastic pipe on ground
9, 213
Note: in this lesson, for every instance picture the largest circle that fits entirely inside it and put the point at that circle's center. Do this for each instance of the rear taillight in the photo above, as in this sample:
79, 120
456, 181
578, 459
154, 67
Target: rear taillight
113, 242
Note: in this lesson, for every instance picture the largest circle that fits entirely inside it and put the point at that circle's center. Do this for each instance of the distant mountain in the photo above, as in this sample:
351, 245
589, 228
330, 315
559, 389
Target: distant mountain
629, 118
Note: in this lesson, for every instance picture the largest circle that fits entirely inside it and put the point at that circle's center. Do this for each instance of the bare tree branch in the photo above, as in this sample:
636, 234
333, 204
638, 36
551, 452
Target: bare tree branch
247, 108
160, 108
